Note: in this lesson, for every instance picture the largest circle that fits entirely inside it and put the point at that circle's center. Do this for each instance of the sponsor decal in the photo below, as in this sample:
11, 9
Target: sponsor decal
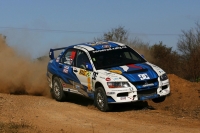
57, 59
116, 71
65, 70
123, 98
146, 84
108, 79
115, 78
143, 76
109, 49
66, 67
89, 84
77, 87
101, 77
106, 46
63, 84
84, 72
110, 93
161, 71
107, 73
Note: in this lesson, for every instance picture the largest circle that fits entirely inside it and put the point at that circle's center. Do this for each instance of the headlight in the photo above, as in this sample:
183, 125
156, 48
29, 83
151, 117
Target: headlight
163, 77
118, 84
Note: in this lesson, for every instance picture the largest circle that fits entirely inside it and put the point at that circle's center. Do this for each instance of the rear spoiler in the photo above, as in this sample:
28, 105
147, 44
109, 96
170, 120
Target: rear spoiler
51, 52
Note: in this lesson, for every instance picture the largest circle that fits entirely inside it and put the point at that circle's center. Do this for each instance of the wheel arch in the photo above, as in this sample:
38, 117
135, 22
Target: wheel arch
98, 84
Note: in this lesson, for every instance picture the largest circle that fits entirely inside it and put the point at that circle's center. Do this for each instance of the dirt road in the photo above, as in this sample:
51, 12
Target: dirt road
40, 114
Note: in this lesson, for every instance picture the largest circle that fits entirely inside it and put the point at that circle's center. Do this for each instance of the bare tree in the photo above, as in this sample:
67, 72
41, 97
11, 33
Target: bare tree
189, 47
116, 34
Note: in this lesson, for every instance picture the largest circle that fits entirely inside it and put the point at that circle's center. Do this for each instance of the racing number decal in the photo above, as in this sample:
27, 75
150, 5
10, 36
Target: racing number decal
94, 75
143, 76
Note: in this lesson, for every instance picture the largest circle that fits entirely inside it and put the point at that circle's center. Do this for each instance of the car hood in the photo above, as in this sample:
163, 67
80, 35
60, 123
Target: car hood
132, 72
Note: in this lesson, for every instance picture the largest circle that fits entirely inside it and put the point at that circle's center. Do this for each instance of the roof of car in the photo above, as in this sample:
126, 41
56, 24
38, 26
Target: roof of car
90, 46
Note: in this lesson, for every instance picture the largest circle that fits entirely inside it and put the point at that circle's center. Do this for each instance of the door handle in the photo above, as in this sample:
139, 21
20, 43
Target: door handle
75, 70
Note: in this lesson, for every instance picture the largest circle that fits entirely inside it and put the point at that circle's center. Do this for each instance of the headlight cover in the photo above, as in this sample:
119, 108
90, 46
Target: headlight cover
118, 84
163, 77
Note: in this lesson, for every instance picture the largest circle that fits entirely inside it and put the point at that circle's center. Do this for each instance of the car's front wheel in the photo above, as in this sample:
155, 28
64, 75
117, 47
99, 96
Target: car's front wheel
101, 100
57, 90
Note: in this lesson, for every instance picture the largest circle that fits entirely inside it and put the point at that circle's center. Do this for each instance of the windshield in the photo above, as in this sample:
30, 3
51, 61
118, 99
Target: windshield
103, 59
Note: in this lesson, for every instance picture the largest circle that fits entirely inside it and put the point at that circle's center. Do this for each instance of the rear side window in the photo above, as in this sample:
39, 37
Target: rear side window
68, 57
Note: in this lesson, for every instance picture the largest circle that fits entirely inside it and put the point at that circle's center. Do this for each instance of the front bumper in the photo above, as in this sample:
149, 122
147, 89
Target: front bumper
131, 94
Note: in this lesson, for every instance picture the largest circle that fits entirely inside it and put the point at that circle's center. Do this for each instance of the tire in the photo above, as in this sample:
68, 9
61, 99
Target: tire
100, 100
57, 90
159, 99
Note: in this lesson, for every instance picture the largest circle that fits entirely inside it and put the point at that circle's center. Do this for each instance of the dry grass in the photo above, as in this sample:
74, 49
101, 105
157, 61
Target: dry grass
13, 127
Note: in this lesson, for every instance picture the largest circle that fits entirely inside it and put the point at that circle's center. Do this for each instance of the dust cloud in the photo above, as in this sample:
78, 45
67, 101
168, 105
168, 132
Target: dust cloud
21, 74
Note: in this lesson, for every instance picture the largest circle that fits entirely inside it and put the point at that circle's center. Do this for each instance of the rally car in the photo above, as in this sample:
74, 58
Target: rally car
108, 72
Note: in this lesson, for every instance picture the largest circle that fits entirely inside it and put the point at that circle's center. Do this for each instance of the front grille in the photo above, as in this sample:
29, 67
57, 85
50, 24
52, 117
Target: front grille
144, 82
148, 92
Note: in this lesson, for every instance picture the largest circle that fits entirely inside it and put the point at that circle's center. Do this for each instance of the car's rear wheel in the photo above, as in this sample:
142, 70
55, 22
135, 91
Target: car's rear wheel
101, 100
159, 99
57, 90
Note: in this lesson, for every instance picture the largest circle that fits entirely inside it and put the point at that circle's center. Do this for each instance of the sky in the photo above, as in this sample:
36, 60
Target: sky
35, 26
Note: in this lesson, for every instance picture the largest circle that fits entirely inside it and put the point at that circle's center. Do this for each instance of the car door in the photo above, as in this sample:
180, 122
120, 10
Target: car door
82, 72
65, 68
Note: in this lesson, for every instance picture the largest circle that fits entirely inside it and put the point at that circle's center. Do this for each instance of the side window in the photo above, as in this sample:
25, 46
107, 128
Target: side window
68, 57
81, 60
129, 55
134, 56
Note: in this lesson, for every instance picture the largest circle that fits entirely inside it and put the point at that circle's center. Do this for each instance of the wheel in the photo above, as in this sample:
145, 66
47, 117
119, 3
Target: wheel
100, 100
57, 90
159, 99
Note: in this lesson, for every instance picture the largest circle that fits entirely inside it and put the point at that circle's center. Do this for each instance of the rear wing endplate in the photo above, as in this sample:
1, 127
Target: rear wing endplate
51, 52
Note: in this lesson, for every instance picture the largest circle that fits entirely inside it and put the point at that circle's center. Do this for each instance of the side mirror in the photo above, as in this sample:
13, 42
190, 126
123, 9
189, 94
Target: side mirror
89, 67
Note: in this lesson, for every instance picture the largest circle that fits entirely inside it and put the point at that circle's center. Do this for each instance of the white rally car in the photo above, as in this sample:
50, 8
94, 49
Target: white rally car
108, 72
